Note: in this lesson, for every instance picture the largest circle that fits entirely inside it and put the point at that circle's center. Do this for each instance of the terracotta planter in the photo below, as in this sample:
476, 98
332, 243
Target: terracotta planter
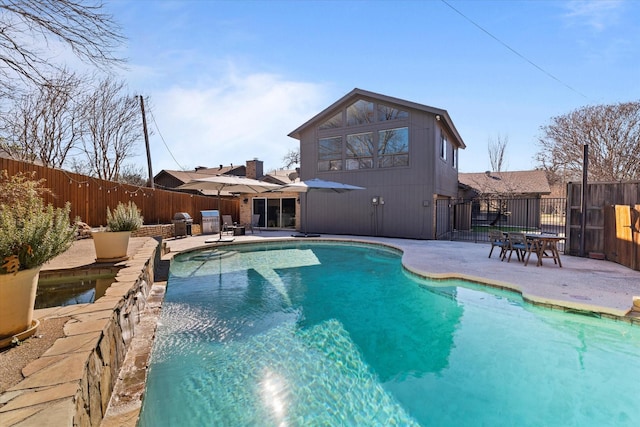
17, 299
111, 246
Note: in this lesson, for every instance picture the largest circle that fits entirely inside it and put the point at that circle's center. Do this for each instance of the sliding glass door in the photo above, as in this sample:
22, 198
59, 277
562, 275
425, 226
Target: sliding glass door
275, 213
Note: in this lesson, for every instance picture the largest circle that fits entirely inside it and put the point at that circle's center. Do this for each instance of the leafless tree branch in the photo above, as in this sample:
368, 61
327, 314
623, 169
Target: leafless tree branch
27, 28
612, 133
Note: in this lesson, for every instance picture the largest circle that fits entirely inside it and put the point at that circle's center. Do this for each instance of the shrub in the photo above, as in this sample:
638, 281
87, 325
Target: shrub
31, 232
125, 217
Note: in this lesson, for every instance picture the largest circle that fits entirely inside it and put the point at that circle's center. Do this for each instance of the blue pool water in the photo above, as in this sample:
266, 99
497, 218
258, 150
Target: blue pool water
318, 334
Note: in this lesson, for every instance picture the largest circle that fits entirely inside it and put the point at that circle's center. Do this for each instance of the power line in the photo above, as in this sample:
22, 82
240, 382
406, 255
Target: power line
513, 50
163, 141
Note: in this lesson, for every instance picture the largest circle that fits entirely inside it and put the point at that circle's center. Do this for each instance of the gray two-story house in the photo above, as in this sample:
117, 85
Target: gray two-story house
403, 153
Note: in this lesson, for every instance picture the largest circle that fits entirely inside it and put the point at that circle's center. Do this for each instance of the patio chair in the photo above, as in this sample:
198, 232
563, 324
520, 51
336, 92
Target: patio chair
254, 224
517, 242
227, 224
497, 238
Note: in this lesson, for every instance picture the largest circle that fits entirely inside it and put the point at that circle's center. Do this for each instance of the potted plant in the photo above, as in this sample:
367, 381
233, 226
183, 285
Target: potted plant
32, 232
111, 244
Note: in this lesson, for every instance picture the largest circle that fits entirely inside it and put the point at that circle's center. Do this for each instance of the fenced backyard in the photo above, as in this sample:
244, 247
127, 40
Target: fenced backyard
471, 219
609, 229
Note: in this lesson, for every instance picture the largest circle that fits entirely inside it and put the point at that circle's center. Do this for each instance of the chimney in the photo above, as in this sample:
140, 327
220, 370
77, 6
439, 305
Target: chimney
254, 169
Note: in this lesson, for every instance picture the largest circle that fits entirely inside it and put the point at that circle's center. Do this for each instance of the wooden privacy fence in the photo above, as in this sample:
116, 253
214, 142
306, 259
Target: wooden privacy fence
90, 197
622, 235
599, 198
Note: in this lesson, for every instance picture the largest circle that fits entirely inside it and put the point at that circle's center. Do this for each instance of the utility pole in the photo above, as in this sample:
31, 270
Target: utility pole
146, 142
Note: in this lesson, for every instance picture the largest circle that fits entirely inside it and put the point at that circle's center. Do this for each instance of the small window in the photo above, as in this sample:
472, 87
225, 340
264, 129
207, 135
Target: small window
444, 145
386, 112
360, 113
454, 161
330, 154
333, 123
359, 151
393, 147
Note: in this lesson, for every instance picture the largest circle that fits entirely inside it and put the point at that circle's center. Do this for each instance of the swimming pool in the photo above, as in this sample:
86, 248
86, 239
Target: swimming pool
304, 334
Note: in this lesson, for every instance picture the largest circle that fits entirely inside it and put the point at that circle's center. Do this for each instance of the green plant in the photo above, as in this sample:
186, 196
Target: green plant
31, 231
125, 217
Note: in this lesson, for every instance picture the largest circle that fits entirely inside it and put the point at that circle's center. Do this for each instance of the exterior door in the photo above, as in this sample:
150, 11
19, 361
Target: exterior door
275, 213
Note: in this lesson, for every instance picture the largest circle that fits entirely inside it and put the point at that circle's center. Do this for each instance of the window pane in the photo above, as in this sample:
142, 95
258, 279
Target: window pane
359, 113
330, 154
359, 150
401, 160
330, 165
393, 147
443, 147
386, 112
333, 122
330, 148
359, 163
360, 145
393, 141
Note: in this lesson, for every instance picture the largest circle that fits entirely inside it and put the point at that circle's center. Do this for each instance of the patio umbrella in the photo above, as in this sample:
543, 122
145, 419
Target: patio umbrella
230, 183
318, 185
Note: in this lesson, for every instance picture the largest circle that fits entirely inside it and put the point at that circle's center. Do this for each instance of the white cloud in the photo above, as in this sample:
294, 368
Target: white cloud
238, 119
597, 14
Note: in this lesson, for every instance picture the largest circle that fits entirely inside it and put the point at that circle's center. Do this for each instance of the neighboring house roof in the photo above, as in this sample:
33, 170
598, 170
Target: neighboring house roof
516, 182
282, 176
359, 93
173, 178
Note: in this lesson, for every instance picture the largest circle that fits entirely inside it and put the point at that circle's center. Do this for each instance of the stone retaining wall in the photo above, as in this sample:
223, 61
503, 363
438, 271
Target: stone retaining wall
71, 384
162, 230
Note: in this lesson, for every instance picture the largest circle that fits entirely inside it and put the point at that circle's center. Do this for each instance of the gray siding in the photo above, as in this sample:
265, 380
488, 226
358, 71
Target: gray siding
409, 193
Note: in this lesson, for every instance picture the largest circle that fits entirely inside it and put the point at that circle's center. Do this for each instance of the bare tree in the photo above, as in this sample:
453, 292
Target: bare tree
292, 158
132, 174
612, 133
113, 124
27, 28
497, 151
43, 125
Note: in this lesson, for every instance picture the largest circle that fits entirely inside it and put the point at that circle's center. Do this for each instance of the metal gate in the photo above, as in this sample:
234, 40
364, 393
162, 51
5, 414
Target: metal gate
471, 219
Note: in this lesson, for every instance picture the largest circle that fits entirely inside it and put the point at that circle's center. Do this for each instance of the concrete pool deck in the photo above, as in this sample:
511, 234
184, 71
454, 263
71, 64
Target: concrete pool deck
582, 284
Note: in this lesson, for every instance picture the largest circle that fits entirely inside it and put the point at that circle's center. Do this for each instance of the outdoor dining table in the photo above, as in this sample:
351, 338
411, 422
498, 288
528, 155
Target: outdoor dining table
544, 246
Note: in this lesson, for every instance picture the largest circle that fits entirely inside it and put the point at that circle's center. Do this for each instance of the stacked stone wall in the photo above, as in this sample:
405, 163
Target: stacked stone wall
89, 358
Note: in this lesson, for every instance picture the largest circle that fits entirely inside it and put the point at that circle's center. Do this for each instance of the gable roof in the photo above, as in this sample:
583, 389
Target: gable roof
516, 182
356, 94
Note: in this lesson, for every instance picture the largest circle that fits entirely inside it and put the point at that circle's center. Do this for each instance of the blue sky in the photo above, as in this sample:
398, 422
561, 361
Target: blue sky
228, 80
